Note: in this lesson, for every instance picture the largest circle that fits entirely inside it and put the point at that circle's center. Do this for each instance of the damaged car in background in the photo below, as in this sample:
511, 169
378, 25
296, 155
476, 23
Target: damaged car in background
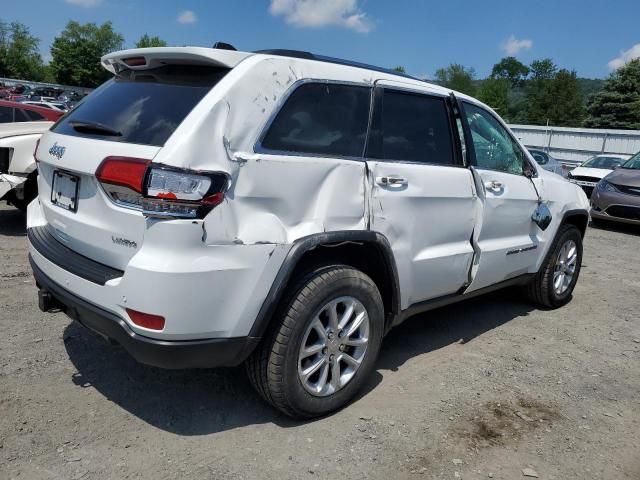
18, 184
209, 207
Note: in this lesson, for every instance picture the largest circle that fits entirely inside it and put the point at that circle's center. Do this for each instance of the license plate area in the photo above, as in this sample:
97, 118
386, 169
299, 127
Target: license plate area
64, 190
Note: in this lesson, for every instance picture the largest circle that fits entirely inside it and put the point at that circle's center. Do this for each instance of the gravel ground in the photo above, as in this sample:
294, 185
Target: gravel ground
484, 389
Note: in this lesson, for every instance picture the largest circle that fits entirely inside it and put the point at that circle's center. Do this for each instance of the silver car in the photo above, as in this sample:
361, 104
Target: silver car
546, 161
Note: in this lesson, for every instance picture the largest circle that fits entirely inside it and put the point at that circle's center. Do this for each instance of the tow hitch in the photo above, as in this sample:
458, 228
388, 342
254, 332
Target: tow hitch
48, 303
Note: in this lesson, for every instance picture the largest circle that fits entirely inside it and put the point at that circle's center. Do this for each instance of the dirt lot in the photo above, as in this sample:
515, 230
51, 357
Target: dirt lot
483, 389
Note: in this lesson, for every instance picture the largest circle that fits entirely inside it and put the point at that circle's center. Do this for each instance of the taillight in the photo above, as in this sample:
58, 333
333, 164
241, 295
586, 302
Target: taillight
161, 191
146, 320
123, 171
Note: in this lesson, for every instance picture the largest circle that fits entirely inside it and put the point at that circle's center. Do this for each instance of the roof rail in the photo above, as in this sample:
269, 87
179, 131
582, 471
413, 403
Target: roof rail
338, 61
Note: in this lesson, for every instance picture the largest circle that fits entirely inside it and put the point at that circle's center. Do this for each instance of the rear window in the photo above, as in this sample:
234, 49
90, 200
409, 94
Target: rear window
144, 106
322, 119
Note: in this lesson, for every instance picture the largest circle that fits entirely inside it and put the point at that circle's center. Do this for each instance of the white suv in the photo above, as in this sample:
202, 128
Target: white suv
209, 207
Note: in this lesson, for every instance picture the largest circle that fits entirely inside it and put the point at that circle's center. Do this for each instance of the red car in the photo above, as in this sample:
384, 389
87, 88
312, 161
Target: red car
19, 112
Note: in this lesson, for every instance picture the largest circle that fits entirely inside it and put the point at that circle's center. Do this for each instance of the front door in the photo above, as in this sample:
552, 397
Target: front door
506, 239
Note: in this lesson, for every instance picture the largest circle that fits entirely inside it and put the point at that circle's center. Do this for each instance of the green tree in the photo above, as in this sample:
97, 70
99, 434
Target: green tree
566, 103
553, 96
19, 54
618, 104
77, 50
512, 70
457, 77
543, 69
146, 42
538, 100
495, 93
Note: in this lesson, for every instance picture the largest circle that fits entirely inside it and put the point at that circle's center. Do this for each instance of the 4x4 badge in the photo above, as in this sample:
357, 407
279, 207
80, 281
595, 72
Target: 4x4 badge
57, 151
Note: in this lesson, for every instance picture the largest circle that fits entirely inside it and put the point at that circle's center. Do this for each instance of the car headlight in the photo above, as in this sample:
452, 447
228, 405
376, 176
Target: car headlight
605, 186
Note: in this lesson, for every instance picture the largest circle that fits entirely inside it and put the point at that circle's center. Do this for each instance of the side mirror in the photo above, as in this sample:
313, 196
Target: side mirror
528, 170
542, 216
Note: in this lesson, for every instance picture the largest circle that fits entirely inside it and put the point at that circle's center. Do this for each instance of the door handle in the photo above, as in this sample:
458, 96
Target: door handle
391, 180
494, 185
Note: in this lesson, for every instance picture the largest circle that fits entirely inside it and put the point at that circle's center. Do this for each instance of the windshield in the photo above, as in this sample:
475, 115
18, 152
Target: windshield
604, 162
633, 162
143, 107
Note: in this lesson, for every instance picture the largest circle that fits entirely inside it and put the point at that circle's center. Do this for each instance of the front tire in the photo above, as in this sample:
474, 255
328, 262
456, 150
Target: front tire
553, 285
323, 344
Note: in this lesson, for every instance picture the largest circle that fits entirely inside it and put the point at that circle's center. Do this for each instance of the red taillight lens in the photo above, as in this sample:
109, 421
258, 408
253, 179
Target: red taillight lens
146, 320
124, 171
213, 200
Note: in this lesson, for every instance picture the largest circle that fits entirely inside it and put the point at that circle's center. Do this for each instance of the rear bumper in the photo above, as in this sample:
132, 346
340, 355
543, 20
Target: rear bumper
202, 291
201, 353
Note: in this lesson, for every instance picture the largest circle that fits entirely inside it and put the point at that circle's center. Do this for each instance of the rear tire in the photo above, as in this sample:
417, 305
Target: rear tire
335, 295
553, 285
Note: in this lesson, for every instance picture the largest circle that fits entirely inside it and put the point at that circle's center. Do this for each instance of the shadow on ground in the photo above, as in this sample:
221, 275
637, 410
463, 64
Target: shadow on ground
12, 222
200, 402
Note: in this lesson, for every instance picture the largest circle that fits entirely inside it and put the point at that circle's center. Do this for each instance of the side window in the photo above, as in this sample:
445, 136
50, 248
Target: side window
411, 127
21, 116
494, 147
34, 116
322, 119
6, 115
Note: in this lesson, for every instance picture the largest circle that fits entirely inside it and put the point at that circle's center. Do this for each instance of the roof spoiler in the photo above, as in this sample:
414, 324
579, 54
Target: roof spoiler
146, 58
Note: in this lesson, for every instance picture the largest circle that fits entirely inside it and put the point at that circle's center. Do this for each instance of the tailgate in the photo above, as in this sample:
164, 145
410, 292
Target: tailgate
97, 229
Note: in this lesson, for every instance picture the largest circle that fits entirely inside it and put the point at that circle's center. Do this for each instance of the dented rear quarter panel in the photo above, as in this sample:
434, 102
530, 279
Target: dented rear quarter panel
272, 197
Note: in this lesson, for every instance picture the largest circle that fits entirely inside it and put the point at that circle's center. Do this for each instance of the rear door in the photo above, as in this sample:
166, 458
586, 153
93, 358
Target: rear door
422, 197
506, 238
131, 115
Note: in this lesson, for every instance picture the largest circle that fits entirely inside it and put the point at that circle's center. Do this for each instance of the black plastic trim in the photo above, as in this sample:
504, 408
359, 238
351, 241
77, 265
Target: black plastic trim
201, 353
434, 303
281, 52
305, 244
50, 248
576, 213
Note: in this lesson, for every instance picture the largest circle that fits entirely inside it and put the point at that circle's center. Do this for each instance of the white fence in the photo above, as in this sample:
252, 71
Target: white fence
575, 145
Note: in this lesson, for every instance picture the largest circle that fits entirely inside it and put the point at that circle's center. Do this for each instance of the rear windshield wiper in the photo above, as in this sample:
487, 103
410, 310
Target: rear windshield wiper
94, 127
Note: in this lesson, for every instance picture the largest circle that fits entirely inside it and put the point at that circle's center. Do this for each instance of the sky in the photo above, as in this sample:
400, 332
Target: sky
589, 36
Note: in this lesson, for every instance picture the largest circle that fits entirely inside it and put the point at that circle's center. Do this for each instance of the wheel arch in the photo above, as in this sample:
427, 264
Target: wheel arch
579, 218
365, 250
